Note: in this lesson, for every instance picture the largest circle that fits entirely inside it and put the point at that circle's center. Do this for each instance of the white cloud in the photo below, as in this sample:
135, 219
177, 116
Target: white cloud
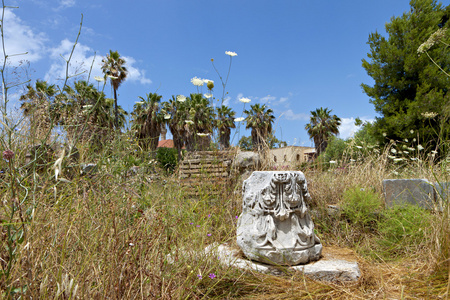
226, 101
348, 127
20, 38
135, 74
283, 99
81, 61
290, 115
66, 3
267, 99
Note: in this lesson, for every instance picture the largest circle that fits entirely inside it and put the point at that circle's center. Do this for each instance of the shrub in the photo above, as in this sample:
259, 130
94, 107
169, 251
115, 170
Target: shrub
361, 206
167, 158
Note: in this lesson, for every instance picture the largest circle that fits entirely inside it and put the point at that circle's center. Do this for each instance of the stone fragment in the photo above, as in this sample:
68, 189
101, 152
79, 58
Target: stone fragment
275, 226
442, 194
328, 268
418, 192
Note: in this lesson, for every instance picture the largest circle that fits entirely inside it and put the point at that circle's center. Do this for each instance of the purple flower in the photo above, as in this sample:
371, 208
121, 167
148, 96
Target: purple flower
199, 276
237, 217
212, 275
191, 223
209, 234
198, 225
209, 216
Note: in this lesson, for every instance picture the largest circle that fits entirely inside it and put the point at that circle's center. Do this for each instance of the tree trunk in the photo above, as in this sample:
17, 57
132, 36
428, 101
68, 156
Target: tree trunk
116, 113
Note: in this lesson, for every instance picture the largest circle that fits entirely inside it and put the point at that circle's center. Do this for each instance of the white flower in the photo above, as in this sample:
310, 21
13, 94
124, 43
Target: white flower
398, 159
429, 115
413, 158
332, 161
414, 139
207, 95
352, 160
189, 122
197, 81
239, 119
359, 147
419, 147
181, 98
393, 150
99, 78
406, 140
113, 77
207, 80
411, 131
384, 134
131, 244
434, 152
166, 117
395, 172
244, 100
231, 53
406, 152
139, 102
391, 157
87, 106
410, 149
202, 134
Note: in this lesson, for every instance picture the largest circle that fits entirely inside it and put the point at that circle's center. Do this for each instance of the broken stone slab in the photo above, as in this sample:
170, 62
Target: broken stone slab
418, 192
331, 268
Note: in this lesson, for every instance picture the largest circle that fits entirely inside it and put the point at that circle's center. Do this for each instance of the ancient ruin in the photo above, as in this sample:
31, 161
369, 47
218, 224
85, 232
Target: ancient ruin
275, 226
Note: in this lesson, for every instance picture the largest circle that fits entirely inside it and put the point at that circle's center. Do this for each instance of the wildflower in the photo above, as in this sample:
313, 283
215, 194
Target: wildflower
113, 77
398, 159
237, 217
432, 40
197, 81
209, 216
199, 276
212, 275
202, 134
434, 152
8, 155
207, 95
239, 119
191, 223
384, 134
359, 147
393, 150
406, 152
413, 158
131, 244
410, 148
99, 78
352, 160
231, 53
87, 106
414, 139
406, 140
181, 98
189, 122
429, 115
210, 85
391, 157
419, 147
166, 117
395, 172
332, 161
198, 226
207, 80
209, 234
244, 100
139, 102
411, 131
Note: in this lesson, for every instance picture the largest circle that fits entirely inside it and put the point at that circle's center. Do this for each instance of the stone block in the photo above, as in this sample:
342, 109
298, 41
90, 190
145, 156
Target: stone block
442, 194
418, 192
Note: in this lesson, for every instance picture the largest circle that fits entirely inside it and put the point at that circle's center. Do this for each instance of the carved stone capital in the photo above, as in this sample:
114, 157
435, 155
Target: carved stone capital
274, 226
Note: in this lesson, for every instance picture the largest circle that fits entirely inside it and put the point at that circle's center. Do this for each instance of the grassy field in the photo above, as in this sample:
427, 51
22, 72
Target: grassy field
107, 235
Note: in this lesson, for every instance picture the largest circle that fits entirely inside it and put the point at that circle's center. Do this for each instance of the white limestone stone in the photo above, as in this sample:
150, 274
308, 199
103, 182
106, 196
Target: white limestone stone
275, 226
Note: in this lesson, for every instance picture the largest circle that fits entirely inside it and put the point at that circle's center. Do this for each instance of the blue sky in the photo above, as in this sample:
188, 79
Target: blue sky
293, 55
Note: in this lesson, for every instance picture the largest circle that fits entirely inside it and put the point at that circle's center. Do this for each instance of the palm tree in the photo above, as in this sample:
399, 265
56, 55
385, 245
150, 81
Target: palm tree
175, 115
200, 123
38, 106
259, 119
86, 104
321, 126
224, 123
113, 67
147, 121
